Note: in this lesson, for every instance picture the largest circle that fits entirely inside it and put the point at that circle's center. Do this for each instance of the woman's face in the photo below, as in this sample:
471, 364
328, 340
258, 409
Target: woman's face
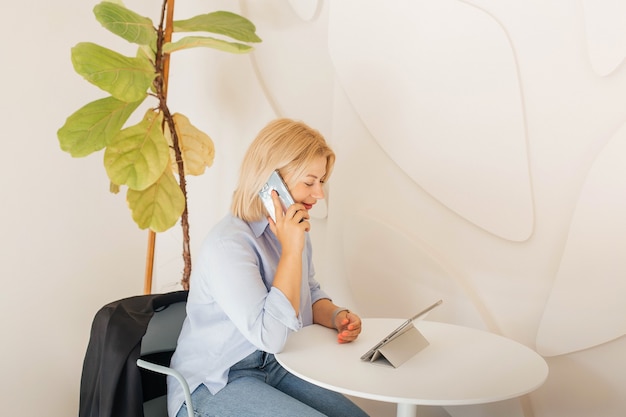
308, 189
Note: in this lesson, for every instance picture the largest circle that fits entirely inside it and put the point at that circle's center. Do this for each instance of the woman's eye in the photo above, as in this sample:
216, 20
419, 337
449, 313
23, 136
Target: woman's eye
308, 185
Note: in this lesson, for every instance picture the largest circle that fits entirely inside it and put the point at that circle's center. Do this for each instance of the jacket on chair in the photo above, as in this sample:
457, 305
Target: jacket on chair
111, 380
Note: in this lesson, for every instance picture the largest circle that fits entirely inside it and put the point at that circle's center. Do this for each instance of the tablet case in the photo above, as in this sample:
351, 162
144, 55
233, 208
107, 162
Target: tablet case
402, 348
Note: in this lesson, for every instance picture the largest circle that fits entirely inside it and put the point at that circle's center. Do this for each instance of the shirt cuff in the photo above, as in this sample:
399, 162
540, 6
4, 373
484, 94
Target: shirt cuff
336, 313
278, 306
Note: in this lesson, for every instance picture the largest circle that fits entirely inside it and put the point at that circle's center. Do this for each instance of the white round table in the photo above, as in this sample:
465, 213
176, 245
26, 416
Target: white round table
461, 366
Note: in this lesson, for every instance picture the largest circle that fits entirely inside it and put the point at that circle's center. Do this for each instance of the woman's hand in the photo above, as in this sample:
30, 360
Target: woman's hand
348, 326
290, 226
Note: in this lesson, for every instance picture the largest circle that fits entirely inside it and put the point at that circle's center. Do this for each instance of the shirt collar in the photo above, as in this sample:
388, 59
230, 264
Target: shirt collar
259, 227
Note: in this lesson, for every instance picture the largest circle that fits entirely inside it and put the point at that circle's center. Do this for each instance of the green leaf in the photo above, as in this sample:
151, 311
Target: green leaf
146, 52
125, 78
223, 23
125, 23
196, 147
199, 41
159, 206
138, 155
90, 128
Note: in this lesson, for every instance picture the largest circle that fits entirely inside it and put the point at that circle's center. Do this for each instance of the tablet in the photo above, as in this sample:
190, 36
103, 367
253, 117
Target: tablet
397, 332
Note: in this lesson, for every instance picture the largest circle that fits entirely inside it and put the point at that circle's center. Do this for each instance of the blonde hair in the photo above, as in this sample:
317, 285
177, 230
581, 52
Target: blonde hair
284, 144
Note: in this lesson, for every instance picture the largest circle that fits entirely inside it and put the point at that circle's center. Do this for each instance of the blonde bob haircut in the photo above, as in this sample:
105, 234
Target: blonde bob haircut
286, 145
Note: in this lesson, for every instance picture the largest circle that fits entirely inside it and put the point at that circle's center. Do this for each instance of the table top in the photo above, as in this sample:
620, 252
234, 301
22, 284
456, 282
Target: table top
461, 365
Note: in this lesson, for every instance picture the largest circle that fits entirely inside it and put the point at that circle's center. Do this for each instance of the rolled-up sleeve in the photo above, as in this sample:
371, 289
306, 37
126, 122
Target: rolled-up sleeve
278, 306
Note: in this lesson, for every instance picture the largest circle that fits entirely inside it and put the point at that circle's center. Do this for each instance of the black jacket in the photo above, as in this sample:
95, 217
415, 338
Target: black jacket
111, 381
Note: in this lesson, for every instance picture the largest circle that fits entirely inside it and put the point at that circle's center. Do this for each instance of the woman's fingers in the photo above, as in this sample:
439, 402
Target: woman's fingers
278, 206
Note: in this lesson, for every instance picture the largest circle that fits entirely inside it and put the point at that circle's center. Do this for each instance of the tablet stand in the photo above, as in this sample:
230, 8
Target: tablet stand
401, 348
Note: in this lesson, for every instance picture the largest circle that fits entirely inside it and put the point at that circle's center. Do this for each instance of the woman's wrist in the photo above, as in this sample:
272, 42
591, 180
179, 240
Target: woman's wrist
336, 313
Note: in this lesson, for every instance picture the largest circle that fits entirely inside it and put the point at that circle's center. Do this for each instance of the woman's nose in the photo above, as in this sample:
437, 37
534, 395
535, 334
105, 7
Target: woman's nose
318, 191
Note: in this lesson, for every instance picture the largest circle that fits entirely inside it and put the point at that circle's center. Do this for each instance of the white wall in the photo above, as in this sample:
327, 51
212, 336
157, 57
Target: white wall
68, 246
481, 159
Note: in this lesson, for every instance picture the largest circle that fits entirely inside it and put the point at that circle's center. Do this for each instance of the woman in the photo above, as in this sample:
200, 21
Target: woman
253, 284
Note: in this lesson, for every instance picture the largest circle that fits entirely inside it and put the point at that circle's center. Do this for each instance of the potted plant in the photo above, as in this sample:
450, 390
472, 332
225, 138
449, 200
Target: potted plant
150, 158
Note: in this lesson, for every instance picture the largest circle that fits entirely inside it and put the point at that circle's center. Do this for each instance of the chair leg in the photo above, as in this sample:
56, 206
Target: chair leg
172, 372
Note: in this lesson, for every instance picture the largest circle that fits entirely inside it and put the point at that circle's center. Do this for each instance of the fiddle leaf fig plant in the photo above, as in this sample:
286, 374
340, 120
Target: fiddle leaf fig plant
151, 157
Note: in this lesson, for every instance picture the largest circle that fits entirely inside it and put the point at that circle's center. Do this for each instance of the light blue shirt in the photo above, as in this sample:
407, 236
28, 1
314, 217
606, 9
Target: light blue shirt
232, 309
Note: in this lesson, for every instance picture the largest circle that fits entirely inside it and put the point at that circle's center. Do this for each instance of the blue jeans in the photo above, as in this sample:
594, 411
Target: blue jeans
259, 387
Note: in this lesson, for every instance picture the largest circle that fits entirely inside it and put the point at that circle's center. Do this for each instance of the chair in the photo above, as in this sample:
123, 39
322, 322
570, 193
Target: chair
127, 360
157, 347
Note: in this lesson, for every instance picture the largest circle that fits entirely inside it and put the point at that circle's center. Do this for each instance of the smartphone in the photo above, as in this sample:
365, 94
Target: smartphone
275, 182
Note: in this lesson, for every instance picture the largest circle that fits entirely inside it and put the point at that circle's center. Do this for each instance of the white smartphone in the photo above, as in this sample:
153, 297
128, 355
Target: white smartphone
275, 182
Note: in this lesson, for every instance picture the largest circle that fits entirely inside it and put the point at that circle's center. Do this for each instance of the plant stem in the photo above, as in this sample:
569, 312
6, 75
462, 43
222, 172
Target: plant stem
161, 83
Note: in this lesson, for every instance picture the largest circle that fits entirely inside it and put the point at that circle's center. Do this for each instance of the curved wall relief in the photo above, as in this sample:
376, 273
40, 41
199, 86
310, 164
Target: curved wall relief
590, 383
605, 34
436, 83
386, 234
292, 62
589, 267
399, 275
306, 9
